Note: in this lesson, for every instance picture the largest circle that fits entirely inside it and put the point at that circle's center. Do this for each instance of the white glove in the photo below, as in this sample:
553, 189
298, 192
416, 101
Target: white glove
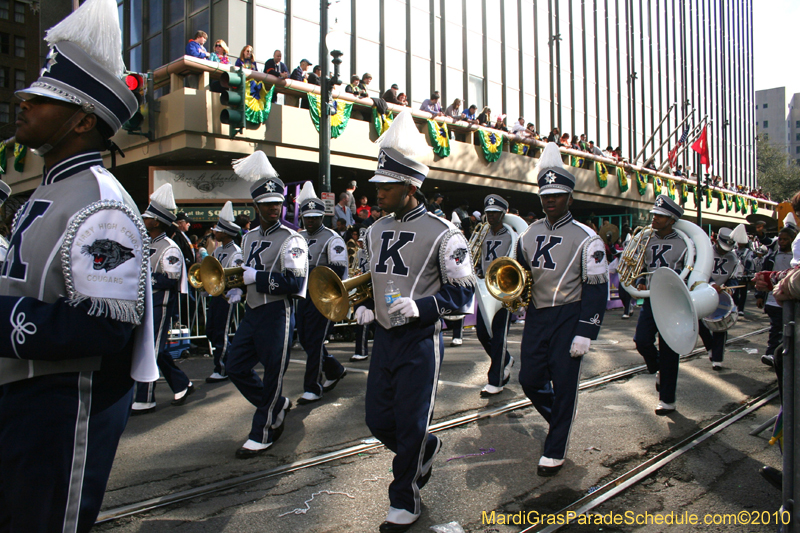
405, 306
364, 316
234, 296
249, 275
580, 346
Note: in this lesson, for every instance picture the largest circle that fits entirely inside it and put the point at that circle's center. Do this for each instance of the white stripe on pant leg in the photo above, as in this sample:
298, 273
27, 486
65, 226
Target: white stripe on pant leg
322, 355
505, 350
574, 411
79, 450
286, 341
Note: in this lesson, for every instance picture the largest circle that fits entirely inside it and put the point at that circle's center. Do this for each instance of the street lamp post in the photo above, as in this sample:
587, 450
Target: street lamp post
330, 42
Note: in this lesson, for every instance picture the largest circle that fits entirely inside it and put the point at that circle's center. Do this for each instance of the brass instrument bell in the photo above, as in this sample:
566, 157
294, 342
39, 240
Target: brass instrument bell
506, 281
215, 279
194, 277
331, 295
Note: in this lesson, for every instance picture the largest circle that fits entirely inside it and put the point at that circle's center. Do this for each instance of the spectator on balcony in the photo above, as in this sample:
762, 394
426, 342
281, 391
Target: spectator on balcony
500, 123
276, 67
519, 128
595, 149
582, 143
313, 76
555, 136
390, 96
454, 110
196, 47
618, 153
299, 73
365, 81
432, 105
609, 152
247, 58
403, 99
469, 114
575, 145
485, 118
531, 127
220, 52
564, 140
354, 87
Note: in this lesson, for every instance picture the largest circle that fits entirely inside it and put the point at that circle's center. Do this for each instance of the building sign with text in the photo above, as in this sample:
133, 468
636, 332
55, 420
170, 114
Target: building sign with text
211, 214
204, 185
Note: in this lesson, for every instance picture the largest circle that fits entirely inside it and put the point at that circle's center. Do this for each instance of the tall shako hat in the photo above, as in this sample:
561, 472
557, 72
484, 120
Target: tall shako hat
162, 205
553, 178
724, 239
494, 202
5, 192
790, 223
401, 146
310, 205
85, 67
664, 205
256, 167
225, 223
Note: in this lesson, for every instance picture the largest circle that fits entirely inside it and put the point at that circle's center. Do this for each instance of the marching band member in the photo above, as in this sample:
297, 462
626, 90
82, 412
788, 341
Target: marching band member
569, 294
781, 261
169, 279
725, 262
427, 260
362, 332
325, 248
499, 242
275, 269
665, 249
218, 317
75, 297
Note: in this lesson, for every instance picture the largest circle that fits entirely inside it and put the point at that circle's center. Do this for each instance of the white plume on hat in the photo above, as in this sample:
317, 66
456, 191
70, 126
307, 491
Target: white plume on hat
254, 167
163, 196
404, 137
550, 158
94, 26
739, 234
790, 221
226, 213
306, 192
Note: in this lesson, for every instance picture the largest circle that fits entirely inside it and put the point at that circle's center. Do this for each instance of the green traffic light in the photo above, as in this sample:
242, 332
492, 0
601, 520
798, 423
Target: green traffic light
234, 99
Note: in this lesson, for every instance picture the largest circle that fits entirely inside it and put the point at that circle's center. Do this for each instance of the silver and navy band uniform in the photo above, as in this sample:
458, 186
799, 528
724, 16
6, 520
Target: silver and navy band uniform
668, 251
496, 245
5, 192
264, 336
724, 267
229, 256
325, 248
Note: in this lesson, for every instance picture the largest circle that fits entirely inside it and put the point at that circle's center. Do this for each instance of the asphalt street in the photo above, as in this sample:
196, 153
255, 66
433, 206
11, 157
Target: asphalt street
484, 466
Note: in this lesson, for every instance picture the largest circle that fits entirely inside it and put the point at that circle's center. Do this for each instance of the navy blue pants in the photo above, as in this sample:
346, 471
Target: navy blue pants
362, 338
662, 359
401, 391
264, 336
625, 298
495, 345
549, 375
739, 295
313, 329
457, 327
775, 327
176, 378
216, 329
713, 341
58, 437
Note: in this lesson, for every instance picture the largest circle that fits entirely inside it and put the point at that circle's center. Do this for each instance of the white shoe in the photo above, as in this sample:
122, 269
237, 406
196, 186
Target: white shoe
521, 321
215, 378
716, 365
358, 357
549, 467
142, 406
507, 369
456, 342
490, 390
664, 408
626, 316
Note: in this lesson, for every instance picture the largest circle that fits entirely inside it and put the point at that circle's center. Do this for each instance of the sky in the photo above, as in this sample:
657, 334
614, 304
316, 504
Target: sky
776, 24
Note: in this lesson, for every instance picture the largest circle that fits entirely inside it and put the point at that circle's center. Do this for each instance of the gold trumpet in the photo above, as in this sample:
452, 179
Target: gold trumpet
331, 295
214, 279
508, 282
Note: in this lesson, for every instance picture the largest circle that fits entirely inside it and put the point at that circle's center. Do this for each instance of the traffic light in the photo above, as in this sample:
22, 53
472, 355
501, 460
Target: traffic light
136, 83
233, 97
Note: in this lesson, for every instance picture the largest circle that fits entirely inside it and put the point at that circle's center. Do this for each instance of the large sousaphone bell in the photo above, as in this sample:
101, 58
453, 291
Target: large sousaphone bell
331, 295
212, 278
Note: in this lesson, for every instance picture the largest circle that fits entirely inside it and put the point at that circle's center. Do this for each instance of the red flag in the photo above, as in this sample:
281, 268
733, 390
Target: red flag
701, 147
673, 156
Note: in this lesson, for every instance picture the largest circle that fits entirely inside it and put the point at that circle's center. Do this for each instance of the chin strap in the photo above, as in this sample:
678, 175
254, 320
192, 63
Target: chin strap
112, 147
62, 132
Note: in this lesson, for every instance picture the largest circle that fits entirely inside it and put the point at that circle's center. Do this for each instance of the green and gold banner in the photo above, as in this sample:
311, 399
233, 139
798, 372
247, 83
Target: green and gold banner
601, 172
258, 102
657, 186
641, 182
492, 144
622, 178
728, 202
20, 151
753, 207
520, 148
672, 192
339, 119
381, 122
576, 161
440, 138
708, 199
684, 193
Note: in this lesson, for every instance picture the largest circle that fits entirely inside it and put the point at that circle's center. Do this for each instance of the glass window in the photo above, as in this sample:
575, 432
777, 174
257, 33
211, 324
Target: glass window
266, 42
797, 137
154, 52
395, 71
4, 9
196, 5
339, 13
4, 113
512, 107
454, 46
421, 41
17, 110
765, 106
135, 64
280, 5
766, 123
474, 16
395, 20
797, 149
455, 86
174, 11
796, 123
19, 46
420, 81
367, 60
494, 65
453, 12
136, 21
512, 68
175, 44
200, 22
19, 80
367, 17
421, 4
19, 12
529, 77
308, 46
155, 9
475, 53
475, 92
4, 43
4, 77
511, 38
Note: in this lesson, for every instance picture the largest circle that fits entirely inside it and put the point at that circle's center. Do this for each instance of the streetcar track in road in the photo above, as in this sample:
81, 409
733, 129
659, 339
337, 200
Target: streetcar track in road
219, 486
639, 473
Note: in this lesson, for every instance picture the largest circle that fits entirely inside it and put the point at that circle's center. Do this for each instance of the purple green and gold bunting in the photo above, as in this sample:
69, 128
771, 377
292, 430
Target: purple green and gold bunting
520, 148
258, 102
753, 207
684, 190
708, 199
622, 178
440, 138
492, 144
641, 182
672, 192
339, 118
576, 161
728, 202
601, 172
20, 151
381, 122
658, 184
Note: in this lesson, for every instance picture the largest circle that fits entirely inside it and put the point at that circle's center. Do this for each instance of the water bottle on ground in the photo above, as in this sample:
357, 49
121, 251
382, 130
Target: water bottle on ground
391, 294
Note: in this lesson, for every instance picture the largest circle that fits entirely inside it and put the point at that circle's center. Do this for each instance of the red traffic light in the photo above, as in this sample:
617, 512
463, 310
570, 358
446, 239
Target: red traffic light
134, 81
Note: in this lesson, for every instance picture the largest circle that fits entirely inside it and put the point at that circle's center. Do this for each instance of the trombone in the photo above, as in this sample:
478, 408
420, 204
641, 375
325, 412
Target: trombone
331, 295
212, 278
508, 282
